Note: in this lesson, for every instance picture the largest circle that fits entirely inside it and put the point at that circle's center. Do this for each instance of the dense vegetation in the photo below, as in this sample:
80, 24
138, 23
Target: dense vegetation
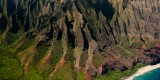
77, 39
118, 75
10, 68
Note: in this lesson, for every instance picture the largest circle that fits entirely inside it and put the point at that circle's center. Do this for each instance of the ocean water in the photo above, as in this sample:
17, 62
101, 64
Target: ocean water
152, 75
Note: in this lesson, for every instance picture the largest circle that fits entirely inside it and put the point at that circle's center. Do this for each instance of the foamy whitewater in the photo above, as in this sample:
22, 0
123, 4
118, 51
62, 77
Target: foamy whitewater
143, 70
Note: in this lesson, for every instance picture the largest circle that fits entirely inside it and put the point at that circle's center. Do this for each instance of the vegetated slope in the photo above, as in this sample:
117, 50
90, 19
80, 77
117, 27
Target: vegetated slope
78, 39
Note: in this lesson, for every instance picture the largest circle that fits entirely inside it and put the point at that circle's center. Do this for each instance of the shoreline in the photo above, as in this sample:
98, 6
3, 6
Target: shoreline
143, 70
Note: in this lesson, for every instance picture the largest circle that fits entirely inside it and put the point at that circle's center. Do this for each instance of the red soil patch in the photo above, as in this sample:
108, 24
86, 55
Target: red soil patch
60, 64
29, 61
144, 46
99, 68
157, 44
46, 58
78, 67
87, 75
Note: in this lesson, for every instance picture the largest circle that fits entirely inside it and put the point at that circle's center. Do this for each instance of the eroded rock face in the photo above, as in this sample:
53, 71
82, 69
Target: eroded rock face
94, 35
153, 53
138, 18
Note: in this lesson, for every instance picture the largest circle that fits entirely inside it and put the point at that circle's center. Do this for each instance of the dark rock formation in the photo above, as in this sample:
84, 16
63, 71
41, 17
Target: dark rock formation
93, 35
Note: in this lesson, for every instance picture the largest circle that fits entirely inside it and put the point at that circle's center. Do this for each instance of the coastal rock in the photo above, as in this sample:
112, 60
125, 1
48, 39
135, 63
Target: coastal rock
87, 37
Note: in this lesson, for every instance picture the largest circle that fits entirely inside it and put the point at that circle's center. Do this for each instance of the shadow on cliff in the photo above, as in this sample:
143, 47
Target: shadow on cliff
104, 6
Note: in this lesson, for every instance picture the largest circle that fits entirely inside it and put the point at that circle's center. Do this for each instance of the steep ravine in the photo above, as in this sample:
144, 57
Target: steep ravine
79, 39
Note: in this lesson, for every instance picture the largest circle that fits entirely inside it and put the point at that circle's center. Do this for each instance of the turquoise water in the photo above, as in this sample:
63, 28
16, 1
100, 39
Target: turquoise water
152, 75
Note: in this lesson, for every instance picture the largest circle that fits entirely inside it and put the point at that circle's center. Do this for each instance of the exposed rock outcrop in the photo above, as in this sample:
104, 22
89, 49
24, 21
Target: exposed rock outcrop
92, 36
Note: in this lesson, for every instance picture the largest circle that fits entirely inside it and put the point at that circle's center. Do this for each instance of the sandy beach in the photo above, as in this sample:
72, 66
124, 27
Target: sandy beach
143, 70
